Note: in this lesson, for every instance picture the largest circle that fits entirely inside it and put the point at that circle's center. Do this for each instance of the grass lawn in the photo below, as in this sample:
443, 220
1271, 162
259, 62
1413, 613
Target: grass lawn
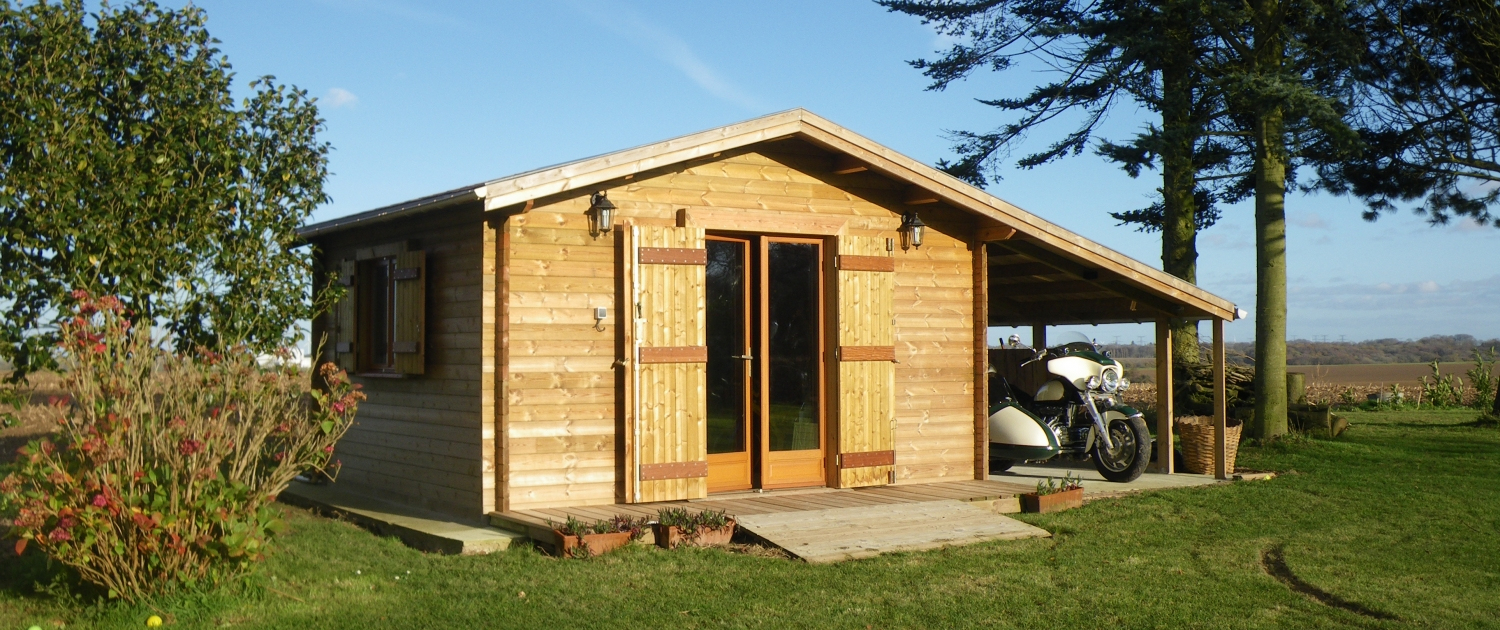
1401, 515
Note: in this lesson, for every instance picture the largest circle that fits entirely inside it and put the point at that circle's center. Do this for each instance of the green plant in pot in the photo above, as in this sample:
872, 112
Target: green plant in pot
677, 526
1054, 495
580, 539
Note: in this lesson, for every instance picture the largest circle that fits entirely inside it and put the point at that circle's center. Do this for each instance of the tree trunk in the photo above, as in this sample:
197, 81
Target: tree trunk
1179, 230
1270, 415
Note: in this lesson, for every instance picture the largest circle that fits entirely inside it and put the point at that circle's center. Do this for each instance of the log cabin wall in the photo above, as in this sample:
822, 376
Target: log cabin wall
417, 440
559, 423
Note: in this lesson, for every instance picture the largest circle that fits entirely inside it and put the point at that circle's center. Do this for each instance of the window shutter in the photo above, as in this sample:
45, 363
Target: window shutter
410, 339
668, 358
345, 316
866, 290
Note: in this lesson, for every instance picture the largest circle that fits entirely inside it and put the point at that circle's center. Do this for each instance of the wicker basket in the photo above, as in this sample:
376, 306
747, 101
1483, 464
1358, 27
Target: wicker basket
1197, 434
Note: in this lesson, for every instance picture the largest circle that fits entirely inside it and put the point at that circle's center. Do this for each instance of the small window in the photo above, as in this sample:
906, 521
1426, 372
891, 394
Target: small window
380, 324
380, 309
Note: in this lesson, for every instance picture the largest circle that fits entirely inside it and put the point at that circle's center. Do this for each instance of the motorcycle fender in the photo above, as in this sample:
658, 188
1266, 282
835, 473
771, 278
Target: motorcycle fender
1120, 412
1016, 433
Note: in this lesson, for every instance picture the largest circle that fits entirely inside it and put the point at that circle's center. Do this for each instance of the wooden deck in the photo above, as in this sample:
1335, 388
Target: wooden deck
996, 496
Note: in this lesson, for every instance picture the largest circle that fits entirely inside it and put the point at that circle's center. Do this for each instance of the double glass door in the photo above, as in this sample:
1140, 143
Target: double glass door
765, 372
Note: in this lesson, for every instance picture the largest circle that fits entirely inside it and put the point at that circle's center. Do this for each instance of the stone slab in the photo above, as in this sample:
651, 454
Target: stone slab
419, 529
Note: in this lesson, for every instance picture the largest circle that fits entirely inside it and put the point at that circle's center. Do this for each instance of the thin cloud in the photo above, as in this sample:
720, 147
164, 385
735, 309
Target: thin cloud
398, 9
667, 47
339, 97
1310, 220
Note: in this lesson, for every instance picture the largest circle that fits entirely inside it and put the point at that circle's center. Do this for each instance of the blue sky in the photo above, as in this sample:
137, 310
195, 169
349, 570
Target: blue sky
426, 96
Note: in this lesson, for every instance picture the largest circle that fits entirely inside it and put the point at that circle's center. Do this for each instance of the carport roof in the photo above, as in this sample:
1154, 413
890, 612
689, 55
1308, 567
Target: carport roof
1039, 272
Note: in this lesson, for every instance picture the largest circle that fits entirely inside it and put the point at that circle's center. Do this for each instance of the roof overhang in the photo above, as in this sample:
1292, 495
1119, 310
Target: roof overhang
1013, 230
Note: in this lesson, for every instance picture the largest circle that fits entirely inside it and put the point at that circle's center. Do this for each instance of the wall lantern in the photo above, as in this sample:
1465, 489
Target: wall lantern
911, 230
601, 214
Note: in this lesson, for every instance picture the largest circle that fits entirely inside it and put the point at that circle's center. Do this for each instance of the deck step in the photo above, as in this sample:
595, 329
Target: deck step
838, 534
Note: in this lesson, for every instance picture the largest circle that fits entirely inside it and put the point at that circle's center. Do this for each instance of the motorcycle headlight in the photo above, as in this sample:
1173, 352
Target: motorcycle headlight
1124, 383
1092, 383
1111, 380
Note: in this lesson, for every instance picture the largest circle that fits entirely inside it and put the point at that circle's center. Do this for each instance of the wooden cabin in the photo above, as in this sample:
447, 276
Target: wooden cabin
743, 308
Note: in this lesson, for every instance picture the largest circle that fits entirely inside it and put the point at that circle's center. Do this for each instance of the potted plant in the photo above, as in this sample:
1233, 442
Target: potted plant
1053, 495
677, 526
577, 539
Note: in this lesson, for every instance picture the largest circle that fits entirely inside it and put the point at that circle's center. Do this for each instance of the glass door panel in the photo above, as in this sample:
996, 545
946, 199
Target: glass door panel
791, 334
729, 363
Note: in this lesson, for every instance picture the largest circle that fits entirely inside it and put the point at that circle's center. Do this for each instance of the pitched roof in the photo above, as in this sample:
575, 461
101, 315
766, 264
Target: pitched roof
1037, 238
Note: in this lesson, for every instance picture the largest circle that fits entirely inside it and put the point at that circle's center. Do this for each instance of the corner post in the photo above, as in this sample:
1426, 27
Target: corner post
1038, 336
1221, 416
981, 362
1165, 414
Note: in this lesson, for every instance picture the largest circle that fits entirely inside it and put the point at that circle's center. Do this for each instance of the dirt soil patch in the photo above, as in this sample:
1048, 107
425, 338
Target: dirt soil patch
35, 419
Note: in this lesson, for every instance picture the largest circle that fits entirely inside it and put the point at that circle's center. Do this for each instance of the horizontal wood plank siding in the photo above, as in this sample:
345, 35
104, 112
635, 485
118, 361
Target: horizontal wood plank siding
935, 353
560, 397
418, 440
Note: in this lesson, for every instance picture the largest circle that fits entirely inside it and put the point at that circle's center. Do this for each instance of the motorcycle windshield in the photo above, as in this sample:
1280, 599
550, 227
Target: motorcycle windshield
1069, 339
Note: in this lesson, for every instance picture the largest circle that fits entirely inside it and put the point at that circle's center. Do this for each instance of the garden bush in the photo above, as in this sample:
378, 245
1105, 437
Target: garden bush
164, 464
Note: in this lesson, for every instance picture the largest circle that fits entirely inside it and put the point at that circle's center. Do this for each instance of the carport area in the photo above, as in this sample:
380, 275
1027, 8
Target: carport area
1052, 278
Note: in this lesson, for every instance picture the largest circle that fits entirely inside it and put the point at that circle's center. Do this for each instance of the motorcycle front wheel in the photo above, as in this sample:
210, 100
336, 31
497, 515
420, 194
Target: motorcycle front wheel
1132, 451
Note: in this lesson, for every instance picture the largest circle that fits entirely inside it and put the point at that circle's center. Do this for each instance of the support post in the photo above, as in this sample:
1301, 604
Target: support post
981, 363
1038, 336
1221, 415
1165, 414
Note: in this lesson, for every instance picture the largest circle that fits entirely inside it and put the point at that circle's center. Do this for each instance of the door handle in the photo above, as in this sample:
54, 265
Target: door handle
746, 357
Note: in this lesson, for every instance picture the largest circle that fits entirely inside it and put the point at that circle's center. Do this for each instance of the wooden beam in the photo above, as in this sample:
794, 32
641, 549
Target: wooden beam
1221, 413
1025, 269
981, 364
1095, 275
1112, 307
995, 233
1038, 335
1165, 415
1028, 289
845, 165
917, 196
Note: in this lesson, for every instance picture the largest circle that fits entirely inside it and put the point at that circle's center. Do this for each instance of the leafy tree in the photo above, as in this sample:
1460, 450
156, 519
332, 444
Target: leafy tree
1286, 75
1430, 110
127, 169
1105, 53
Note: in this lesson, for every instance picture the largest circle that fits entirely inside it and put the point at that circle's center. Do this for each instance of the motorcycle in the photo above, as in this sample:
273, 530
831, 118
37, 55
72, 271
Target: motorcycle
1073, 414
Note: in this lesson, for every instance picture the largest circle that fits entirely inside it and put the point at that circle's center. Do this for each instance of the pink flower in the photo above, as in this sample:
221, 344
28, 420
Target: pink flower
67, 522
189, 446
100, 500
338, 407
59, 535
280, 456
328, 449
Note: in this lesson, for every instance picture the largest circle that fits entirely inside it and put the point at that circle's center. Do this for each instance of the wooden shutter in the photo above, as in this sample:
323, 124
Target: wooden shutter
344, 315
668, 441
866, 400
410, 342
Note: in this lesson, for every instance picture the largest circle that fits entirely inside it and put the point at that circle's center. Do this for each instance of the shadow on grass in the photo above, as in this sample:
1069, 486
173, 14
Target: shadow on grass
1274, 563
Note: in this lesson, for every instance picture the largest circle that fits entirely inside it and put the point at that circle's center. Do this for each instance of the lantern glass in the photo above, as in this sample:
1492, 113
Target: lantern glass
912, 230
602, 211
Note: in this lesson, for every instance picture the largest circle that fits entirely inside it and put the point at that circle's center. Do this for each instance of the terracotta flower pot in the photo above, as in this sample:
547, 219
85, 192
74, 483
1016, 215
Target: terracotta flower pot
672, 537
597, 543
1055, 502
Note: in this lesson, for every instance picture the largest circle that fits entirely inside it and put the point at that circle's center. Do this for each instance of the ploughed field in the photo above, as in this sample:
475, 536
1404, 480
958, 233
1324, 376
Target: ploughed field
1390, 526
